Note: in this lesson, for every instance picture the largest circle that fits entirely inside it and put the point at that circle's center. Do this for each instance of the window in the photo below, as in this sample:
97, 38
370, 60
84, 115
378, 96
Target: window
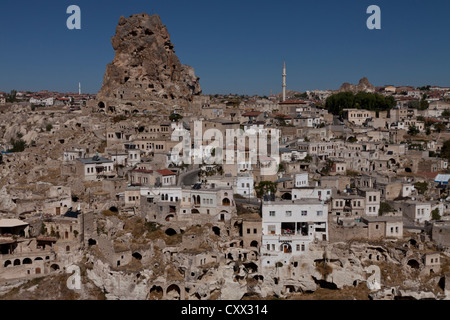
248, 230
303, 247
255, 231
271, 229
298, 247
271, 213
304, 213
396, 229
288, 213
319, 213
268, 247
376, 226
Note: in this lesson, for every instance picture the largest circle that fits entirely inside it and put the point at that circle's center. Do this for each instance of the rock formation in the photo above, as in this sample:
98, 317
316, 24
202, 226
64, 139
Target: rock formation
145, 71
363, 85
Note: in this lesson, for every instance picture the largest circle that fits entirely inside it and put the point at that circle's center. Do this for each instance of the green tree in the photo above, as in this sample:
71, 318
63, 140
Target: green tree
308, 159
49, 127
446, 113
264, 187
362, 100
175, 117
413, 131
424, 104
439, 127
43, 229
12, 97
424, 88
435, 214
421, 187
420, 118
18, 145
384, 208
445, 150
326, 169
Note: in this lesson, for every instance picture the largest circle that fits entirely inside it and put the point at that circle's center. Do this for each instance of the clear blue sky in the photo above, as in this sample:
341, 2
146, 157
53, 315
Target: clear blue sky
234, 46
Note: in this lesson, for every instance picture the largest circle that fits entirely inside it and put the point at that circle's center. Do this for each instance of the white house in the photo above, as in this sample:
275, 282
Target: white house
94, 168
244, 185
288, 227
47, 102
119, 158
417, 211
312, 193
216, 203
301, 180
71, 155
134, 157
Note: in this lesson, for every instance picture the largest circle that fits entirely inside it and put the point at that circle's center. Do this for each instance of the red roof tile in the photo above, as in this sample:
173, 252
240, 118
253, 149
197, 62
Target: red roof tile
166, 172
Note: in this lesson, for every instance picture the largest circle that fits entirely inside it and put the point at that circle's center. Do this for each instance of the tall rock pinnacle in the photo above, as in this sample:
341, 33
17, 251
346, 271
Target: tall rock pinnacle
145, 71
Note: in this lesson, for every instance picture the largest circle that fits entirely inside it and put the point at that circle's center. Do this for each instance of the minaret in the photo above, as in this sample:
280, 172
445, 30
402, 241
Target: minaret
284, 81
79, 88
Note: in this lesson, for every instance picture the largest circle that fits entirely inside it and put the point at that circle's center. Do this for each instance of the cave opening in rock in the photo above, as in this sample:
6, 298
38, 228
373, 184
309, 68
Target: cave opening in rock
413, 264
171, 232
137, 256
216, 231
156, 293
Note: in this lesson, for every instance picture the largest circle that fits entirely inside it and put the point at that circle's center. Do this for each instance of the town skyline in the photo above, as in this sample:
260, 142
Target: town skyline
154, 189
324, 45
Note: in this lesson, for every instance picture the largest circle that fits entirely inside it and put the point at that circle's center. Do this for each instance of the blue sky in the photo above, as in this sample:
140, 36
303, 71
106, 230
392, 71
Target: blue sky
234, 46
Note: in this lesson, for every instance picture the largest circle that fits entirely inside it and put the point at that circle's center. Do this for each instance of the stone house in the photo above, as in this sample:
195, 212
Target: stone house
372, 200
384, 227
432, 263
95, 168
417, 211
251, 232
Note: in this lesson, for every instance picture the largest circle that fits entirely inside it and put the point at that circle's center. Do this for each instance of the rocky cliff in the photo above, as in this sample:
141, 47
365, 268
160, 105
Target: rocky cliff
145, 70
363, 85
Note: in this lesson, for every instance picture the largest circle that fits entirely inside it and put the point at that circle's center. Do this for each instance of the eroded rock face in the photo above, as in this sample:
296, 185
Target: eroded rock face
364, 85
145, 68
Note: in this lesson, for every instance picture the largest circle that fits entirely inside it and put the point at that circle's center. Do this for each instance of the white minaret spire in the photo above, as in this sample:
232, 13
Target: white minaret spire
79, 88
284, 80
